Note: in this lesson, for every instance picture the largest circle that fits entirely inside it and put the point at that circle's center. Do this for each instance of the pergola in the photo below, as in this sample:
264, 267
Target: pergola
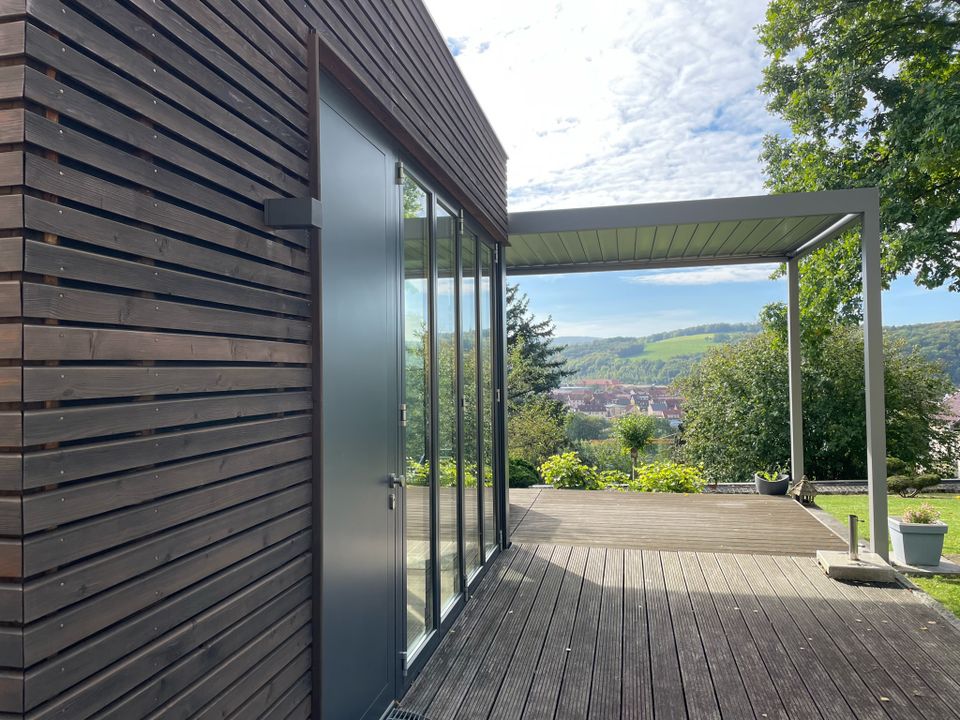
730, 231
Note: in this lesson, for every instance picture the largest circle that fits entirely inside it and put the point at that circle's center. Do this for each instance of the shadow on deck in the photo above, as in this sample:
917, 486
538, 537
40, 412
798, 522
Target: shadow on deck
558, 632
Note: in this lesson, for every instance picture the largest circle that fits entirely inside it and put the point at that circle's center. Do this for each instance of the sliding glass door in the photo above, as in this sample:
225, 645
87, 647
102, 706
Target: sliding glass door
449, 408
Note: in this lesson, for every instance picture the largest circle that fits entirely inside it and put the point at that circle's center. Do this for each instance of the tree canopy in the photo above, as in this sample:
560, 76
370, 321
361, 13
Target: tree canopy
537, 366
737, 405
871, 92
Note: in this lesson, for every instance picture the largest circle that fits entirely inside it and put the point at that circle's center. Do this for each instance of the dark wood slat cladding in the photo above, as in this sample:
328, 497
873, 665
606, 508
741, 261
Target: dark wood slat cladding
155, 444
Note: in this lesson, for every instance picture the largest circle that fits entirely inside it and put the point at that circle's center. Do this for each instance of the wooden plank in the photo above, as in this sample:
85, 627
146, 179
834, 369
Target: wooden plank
11, 429
11, 166
73, 144
12, 8
78, 501
64, 545
11, 691
76, 343
152, 75
11, 126
11, 471
111, 381
57, 261
11, 558
760, 686
11, 521
178, 624
74, 224
63, 303
77, 423
606, 689
12, 37
11, 82
51, 635
11, 390
11, 209
11, 647
665, 669
477, 701
11, 254
521, 671
81, 187
829, 654
10, 298
698, 685
281, 703
637, 689
11, 602
75, 462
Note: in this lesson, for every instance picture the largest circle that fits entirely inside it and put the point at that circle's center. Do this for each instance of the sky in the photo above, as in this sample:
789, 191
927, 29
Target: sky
606, 102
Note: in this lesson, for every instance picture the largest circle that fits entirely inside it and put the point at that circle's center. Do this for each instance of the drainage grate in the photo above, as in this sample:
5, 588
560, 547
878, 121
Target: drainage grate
401, 714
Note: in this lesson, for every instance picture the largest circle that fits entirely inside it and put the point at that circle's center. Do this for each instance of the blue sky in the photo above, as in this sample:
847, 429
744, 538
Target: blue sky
631, 101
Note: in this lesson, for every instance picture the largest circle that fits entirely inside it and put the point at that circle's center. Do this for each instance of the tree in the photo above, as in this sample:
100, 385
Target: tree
635, 432
871, 92
543, 368
737, 404
581, 426
537, 429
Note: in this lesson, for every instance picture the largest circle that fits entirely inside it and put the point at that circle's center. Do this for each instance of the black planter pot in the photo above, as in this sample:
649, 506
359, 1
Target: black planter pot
777, 487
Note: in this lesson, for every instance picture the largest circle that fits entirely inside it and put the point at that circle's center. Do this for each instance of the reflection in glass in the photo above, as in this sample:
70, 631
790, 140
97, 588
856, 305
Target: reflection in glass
471, 458
416, 369
487, 396
446, 309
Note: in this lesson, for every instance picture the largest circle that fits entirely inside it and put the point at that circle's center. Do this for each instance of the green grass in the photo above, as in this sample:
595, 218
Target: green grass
945, 590
677, 346
949, 506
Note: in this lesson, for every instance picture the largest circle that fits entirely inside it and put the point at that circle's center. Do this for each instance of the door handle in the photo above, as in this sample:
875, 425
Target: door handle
396, 481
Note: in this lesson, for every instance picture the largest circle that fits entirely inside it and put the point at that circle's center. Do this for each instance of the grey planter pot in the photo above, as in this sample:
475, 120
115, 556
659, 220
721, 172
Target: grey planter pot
916, 544
777, 487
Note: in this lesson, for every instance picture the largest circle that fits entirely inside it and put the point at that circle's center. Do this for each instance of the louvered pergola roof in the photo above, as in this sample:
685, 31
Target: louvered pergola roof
760, 229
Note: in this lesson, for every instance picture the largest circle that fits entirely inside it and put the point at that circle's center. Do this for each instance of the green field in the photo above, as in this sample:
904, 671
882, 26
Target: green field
944, 589
678, 346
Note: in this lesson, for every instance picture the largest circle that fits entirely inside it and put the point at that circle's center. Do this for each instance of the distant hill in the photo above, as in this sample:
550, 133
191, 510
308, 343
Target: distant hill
661, 358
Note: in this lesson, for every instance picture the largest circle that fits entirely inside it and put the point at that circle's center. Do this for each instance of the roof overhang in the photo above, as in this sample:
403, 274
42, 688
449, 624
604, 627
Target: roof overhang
740, 230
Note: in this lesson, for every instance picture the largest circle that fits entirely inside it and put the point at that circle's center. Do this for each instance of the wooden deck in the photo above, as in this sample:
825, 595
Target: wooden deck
664, 521
564, 633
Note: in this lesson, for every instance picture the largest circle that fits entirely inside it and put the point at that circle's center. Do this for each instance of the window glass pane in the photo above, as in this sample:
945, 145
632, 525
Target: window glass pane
448, 446
488, 385
416, 369
471, 458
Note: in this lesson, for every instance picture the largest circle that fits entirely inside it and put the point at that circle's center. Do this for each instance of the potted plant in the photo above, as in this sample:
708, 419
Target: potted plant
772, 482
918, 536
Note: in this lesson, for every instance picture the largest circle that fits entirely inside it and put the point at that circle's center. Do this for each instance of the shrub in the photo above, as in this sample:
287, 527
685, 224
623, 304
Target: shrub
522, 473
604, 455
568, 471
896, 466
612, 478
911, 485
922, 514
669, 477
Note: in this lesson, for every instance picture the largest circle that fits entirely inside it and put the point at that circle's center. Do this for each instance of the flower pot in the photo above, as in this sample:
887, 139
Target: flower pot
916, 543
776, 487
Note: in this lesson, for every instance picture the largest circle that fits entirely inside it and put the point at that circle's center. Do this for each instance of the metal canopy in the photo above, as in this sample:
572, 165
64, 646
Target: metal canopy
765, 228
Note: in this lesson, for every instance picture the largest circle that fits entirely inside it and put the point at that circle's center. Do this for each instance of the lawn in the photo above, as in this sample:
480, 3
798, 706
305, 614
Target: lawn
946, 590
677, 346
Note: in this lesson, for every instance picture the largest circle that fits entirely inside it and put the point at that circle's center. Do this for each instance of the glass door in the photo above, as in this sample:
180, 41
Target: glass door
417, 431
488, 398
471, 408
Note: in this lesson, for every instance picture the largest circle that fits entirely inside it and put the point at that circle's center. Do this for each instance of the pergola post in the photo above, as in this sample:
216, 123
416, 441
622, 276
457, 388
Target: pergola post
793, 339
873, 371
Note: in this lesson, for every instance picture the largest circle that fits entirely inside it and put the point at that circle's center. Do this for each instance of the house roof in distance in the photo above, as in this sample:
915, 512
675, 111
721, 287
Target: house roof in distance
763, 228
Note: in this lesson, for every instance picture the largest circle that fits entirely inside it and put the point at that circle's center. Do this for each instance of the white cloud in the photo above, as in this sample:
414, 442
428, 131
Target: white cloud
621, 101
634, 324
706, 276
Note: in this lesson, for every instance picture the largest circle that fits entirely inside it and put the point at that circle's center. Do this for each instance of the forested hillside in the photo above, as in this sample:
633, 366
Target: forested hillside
661, 358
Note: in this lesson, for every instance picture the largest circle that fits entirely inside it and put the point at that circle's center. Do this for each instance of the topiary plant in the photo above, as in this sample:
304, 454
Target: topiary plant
911, 485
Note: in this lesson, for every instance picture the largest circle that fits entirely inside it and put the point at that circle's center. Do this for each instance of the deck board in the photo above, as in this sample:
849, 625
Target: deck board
746, 524
589, 632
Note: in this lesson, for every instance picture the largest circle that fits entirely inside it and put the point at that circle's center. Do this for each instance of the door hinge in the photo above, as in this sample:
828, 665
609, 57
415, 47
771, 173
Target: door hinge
403, 663
498, 394
461, 225
496, 253
401, 174
403, 415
